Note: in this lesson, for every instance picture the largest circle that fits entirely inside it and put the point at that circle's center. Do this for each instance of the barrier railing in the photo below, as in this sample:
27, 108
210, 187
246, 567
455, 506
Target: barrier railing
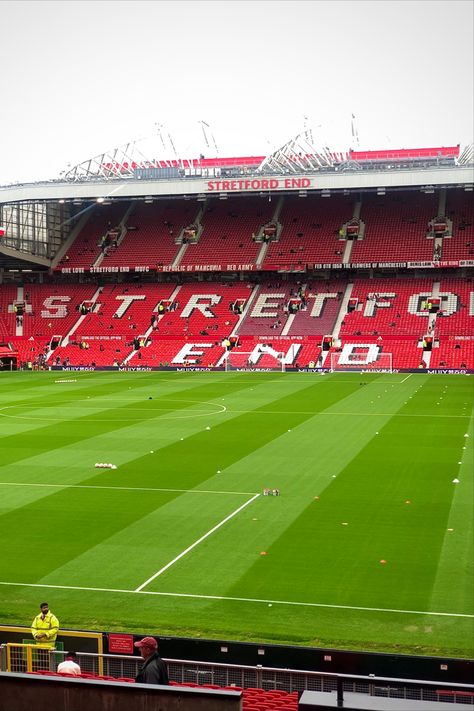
185, 671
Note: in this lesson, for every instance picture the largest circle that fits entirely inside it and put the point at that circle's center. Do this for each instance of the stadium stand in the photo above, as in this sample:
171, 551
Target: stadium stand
149, 324
460, 210
151, 236
227, 234
8, 294
395, 228
310, 231
456, 315
119, 315
383, 307
53, 307
268, 312
320, 308
85, 249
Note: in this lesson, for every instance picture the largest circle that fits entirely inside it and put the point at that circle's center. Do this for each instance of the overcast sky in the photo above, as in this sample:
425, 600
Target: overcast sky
81, 77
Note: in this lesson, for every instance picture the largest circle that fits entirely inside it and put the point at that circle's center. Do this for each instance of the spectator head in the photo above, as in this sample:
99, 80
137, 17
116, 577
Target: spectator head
72, 656
147, 646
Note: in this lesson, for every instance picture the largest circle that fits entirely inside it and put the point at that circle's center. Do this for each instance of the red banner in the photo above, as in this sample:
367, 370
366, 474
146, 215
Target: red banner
252, 267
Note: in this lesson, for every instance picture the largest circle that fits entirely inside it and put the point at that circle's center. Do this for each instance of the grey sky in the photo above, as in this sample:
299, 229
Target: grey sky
81, 77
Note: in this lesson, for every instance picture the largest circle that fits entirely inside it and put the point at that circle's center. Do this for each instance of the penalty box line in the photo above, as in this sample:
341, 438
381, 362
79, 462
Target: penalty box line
223, 598
196, 543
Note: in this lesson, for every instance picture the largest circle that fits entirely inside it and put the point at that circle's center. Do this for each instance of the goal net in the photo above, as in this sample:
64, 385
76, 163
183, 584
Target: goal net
362, 357
237, 360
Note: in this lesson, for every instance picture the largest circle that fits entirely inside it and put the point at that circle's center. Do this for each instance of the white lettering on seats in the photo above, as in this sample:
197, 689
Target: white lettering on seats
319, 300
351, 353
263, 349
414, 304
195, 303
371, 305
189, 350
127, 300
264, 303
60, 309
449, 302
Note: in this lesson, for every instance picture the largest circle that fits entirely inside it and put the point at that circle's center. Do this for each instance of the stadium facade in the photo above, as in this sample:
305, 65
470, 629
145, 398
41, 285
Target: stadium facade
356, 260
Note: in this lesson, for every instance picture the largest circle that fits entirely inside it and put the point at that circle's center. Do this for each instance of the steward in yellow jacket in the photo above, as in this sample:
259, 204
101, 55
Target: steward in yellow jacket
45, 626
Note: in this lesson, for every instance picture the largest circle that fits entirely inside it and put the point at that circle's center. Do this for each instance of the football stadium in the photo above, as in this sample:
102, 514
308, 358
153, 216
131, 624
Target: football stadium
236, 413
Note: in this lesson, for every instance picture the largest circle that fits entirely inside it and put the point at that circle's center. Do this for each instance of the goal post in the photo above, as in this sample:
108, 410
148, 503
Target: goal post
361, 357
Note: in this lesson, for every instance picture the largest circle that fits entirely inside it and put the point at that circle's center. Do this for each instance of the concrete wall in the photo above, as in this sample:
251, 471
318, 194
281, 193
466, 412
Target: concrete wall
24, 692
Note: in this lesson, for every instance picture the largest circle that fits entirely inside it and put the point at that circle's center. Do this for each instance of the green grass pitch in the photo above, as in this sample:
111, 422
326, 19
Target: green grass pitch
179, 539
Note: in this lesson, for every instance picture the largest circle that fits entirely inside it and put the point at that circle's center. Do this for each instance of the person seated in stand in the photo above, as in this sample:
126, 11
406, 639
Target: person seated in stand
70, 665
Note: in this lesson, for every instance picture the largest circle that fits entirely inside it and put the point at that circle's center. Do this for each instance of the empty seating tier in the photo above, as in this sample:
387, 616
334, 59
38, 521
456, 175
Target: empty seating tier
152, 230
227, 235
86, 248
395, 228
310, 231
460, 210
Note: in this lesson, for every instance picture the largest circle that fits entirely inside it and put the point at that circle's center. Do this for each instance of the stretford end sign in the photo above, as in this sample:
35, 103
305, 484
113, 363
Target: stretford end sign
258, 184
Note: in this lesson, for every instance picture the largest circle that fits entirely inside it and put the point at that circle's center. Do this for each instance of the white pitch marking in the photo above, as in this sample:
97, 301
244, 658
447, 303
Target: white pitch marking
408, 376
343, 414
124, 488
239, 599
192, 415
196, 543
250, 412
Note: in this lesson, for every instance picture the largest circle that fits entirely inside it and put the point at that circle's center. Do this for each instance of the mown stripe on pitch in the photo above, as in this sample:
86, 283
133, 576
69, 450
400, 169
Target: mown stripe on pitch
402, 463
37, 528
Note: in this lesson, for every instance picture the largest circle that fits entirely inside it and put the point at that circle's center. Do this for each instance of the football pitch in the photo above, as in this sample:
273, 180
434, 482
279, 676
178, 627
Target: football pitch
369, 545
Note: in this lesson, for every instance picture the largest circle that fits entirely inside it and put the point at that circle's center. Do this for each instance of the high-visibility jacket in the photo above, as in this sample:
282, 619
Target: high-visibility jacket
48, 626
